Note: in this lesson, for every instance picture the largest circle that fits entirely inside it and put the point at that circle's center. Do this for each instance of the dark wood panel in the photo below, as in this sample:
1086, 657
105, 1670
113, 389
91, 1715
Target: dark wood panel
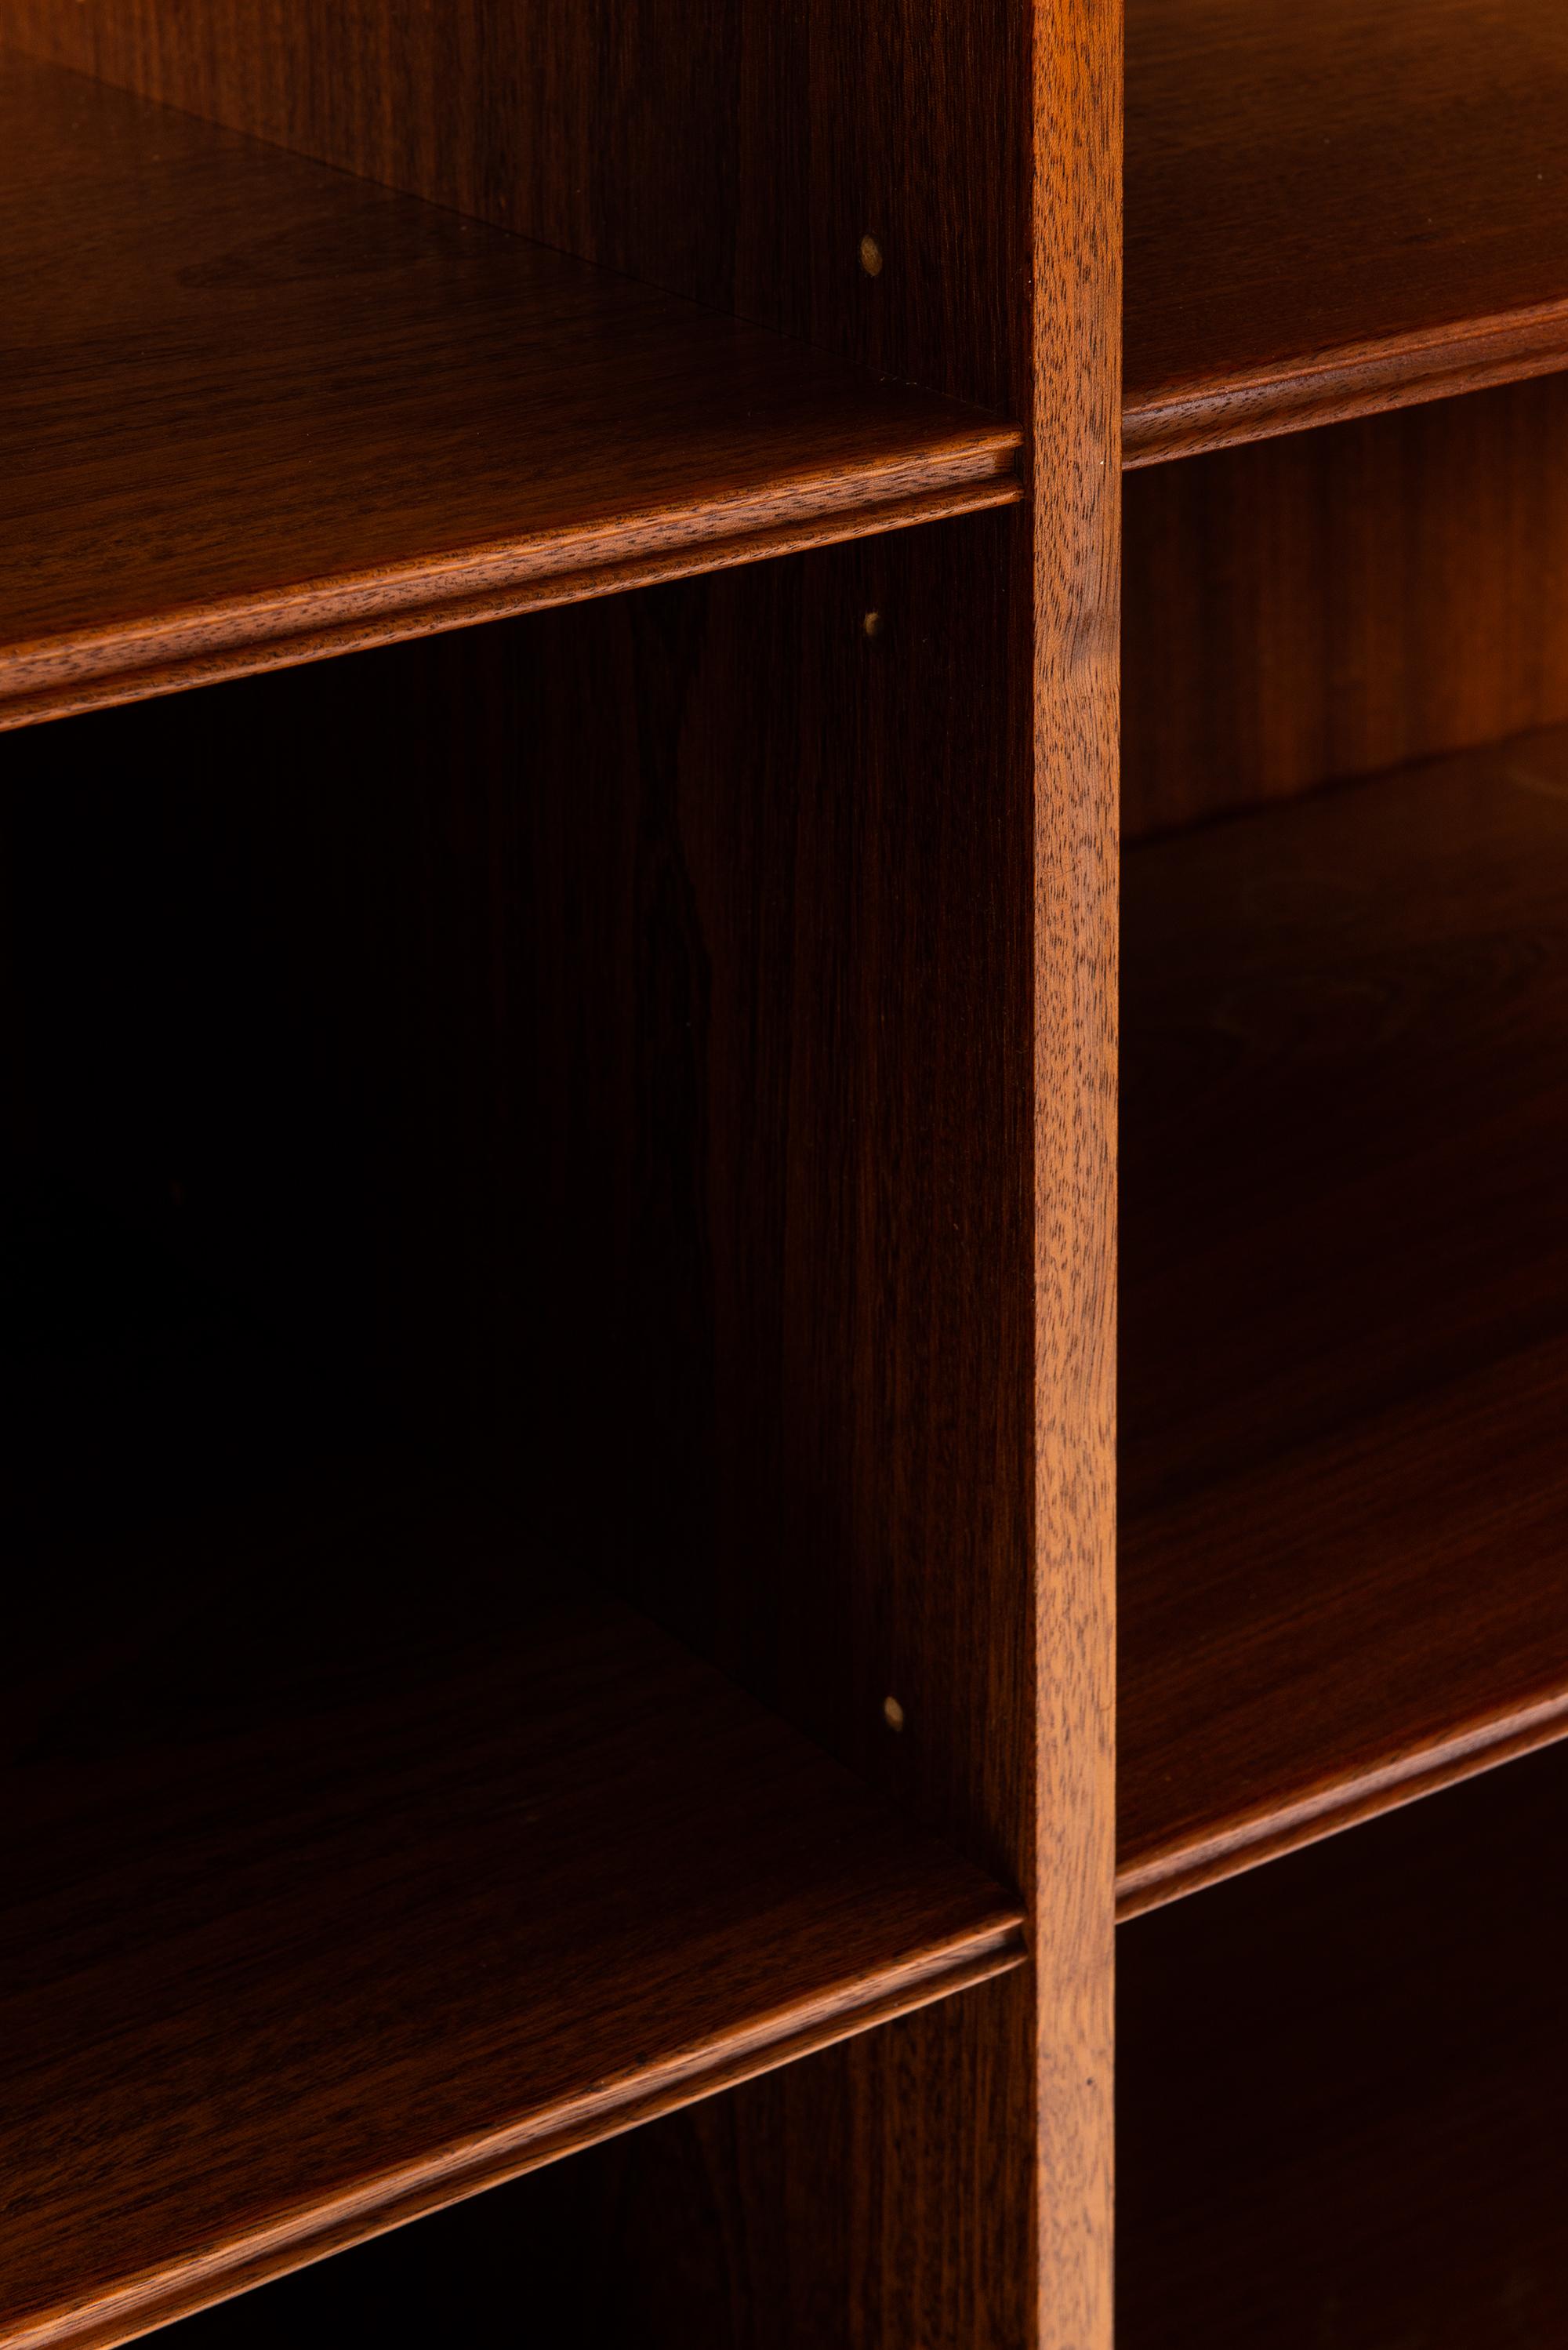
1324, 605
780, 972
804, 1257
1344, 1490
261, 411
618, 1022
714, 2227
742, 164
1337, 209
1343, 2081
367, 1933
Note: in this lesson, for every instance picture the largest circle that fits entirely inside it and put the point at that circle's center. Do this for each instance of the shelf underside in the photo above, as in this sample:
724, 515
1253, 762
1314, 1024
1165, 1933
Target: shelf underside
1337, 208
1344, 1319
254, 411
1341, 2086
316, 1918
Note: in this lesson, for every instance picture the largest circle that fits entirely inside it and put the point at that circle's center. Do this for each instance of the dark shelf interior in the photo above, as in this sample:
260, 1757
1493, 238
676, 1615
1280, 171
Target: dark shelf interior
255, 410
1345, 1322
1340, 2085
1338, 209
359, 1850
431, 1878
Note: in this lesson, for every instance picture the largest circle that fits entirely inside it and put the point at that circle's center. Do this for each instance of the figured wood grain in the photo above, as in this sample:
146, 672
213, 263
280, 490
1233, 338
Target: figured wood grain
283, 1972
1077, 477
741, 165
693, 2230
1344, 1490
1336, 209
258, 412
1335, 603
794, 1131
1342, 2083
782, 947
605, 1113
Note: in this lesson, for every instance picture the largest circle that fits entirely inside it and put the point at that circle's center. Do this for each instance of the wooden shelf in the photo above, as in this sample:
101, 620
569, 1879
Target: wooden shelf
1341, 2086
254, 411
316, 1919
1344, 1479
1335, 209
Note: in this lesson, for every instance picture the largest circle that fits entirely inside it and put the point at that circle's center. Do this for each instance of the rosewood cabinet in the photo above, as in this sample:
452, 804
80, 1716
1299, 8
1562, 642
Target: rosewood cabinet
575, 685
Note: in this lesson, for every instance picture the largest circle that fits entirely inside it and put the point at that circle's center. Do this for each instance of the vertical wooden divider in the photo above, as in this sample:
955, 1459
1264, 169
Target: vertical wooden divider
823, 924
1076, 451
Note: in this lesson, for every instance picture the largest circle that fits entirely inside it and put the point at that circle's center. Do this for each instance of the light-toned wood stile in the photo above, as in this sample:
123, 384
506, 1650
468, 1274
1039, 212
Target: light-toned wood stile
1076, 456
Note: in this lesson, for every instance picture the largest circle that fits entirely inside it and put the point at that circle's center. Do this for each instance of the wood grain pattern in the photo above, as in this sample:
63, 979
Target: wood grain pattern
1336, 209
1343, 1483
637, 1111
275, 1981
1076, 479
740, 166
810, 1007
1342, 2089
264, 412
792, 914
783, 961
1339, 602
698, 2231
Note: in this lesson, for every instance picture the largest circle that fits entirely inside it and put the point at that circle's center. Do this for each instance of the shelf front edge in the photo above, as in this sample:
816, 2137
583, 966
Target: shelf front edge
296, 2239
1208, 1860
61, 677
1330, 388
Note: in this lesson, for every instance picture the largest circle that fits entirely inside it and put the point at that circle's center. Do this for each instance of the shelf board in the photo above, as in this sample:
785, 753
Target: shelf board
1335, 209
321, 1921
255, 411
1344, 1384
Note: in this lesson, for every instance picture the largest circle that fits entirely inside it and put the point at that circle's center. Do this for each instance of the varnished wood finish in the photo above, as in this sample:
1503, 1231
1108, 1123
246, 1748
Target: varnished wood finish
683, 923
782, 912
828, 1223
1333, 603
1345, 1489
1338, 209
1342, 2084
741, 165
1076, 454
264, 412
699, 2231
394, 1928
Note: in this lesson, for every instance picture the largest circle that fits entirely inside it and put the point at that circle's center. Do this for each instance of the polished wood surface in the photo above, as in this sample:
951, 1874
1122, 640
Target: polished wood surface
784, 897
706, 2230
1335, 209
263, 411
783, 947
741, 165
1342, 2084
555, 1111
1320, 607
1074, 658
377, 1928
1345, 1488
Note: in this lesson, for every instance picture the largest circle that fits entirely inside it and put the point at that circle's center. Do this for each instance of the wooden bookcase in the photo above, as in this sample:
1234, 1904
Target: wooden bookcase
558, 638
1343, 1432
574, 685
